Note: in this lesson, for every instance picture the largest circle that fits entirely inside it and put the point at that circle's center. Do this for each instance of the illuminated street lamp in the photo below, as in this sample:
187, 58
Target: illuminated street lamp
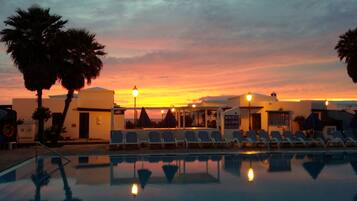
249, 98
134, 190
173, 109
326, 103
194, 105
135, 94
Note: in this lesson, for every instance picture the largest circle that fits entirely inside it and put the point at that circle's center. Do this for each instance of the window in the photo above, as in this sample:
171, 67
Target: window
278, 118
231, 121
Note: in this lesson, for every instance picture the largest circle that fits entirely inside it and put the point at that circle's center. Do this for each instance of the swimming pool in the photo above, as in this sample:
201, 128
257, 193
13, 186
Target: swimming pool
253, 176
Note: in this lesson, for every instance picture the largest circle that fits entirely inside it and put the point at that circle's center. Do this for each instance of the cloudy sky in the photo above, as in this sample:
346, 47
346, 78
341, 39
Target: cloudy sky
177, 51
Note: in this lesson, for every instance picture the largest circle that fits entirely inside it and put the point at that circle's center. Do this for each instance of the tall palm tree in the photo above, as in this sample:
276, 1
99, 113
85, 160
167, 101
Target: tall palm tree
80, 57
29, 40
347, 51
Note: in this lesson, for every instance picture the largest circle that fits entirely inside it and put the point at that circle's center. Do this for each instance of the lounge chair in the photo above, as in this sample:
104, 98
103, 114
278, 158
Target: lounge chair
264, 137
238, 138
154, 139
217, 138
131, 139
116, 138
336, 139
204, 138
168, 138
309, 141
289, 136
191, 139
252, 137
278, 139
350, 138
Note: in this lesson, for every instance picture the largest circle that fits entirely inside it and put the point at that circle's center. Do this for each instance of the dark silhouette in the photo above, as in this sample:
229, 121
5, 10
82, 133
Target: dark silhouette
40, 178
347, 52
29, 40
144, 120
300, 121
79, 54
170, 120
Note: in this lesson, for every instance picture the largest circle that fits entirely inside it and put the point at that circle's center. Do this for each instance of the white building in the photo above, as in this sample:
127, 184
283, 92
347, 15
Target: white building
89, 114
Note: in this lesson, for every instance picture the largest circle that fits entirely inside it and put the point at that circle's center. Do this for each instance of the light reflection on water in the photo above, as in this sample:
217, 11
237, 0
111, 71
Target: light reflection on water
279, 176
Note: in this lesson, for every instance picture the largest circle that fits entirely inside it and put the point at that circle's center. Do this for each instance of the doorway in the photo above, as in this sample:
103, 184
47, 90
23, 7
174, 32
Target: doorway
84, 125
256, 121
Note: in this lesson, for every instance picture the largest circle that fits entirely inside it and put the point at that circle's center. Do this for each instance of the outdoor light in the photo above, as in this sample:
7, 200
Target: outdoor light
173, 109
249, 98
326, 103
135, 94
194, 105
250, 174
134, 189
135, 91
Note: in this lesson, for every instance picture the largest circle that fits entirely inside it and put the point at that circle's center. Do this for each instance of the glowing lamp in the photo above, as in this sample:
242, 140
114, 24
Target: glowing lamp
249, 97
173, 109
194, 105
162, 111
250, 175
135, 91
134, 189
326, 103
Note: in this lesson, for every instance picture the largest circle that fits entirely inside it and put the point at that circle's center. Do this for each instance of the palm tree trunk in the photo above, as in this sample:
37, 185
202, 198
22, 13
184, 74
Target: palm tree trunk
41, 122
65, 110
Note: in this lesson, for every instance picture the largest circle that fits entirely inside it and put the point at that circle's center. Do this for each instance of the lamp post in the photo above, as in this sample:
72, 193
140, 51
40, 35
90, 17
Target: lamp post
249, 99
135, 94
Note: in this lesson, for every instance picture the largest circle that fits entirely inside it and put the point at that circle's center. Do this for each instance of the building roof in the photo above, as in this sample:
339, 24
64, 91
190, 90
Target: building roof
96, 89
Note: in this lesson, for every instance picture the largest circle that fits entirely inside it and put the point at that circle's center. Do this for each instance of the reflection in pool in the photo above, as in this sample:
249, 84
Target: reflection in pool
278, 176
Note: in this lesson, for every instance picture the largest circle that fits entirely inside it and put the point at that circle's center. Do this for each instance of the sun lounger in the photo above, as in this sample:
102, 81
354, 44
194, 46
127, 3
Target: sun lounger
131, 139
309, 141
191, 139
264, 137
239, 139
204, 138
217, 138
116, 138
168, 138
289, 136
336, 140
252, 137
154, 138
277, 138
350, 138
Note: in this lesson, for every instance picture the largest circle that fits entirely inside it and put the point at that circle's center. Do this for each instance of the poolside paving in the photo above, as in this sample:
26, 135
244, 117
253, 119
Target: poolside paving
9, 158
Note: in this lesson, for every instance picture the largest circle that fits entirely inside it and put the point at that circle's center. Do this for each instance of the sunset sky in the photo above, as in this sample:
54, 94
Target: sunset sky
178, 51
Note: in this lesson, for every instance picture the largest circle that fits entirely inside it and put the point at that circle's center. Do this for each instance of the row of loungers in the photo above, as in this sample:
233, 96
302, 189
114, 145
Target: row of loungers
239, 138
287, 138
167, 138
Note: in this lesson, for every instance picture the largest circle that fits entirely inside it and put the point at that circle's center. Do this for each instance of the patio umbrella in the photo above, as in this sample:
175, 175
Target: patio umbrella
144, 120
170, 120
354, 166
314, 168
170, 172
312, 122
144, 176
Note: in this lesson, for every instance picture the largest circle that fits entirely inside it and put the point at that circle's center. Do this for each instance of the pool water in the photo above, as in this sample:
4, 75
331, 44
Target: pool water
276, 176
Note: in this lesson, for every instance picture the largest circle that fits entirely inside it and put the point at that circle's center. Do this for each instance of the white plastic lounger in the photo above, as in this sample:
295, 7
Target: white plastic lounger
264, 137
350, 139
217, 138
336, 140
154, 139
276, 137
252, 137
191, 139
289, 136
204, 138
116, 138
239, 139
131, 138
168, 138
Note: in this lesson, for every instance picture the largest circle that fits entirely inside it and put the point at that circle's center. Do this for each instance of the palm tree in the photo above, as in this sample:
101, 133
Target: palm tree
80, 57
347, 51
29, 38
